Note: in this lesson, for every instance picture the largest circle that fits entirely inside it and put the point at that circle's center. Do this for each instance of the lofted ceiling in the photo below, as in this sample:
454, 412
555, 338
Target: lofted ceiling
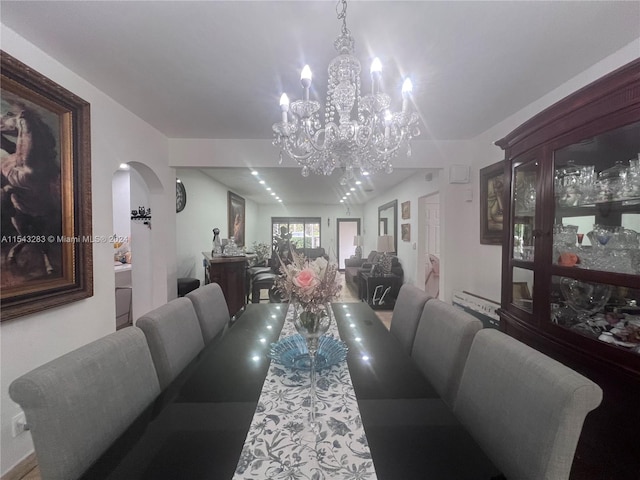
216, 69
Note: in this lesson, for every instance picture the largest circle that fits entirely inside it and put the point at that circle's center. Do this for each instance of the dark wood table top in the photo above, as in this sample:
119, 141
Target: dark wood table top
197, 427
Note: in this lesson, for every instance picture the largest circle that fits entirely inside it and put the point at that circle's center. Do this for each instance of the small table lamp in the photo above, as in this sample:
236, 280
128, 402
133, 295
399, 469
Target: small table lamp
385, 245
357, 241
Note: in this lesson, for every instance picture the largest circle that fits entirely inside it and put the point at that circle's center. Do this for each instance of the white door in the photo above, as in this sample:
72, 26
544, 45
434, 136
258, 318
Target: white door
432, 245
348, 228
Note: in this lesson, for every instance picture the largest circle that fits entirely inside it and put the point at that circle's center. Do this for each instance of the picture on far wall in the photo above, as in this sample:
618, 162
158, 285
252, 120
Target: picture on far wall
406, 232
406, 210
236, 217
46, 247
491, 204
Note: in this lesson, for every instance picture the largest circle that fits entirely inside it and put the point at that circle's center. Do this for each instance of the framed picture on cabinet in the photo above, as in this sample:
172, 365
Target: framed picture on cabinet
491, 204
406, 210
236, 212
46, 193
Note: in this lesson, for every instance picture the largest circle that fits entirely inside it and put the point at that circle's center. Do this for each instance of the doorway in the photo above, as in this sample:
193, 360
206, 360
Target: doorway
429, 244
348, 229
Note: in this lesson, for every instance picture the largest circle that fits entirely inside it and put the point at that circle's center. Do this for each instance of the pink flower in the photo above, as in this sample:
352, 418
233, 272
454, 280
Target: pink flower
306, 279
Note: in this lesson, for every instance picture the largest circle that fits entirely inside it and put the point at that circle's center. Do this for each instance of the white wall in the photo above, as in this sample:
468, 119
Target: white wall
140, 243
121, 204
117, 136
206, 209
409, 190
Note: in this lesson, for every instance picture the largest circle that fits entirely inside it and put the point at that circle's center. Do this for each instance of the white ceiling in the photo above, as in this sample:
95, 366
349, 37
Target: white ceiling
216, 69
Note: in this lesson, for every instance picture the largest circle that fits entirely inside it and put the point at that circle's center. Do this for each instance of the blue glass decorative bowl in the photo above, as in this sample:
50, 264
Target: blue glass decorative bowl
292, 352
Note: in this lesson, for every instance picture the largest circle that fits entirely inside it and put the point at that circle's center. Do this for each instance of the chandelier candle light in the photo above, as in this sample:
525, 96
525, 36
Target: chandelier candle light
368, 142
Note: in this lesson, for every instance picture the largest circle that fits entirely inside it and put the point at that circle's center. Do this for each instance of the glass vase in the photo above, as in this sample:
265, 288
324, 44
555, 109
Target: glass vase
312, 323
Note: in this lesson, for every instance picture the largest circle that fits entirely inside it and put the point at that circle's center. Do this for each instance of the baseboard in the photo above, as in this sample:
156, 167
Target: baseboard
22, 468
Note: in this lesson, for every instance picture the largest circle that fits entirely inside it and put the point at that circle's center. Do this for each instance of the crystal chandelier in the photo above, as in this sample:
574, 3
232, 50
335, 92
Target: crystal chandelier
366, 136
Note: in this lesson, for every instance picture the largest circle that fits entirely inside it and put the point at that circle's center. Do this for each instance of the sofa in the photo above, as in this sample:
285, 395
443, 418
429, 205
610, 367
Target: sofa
354, 266
313, 253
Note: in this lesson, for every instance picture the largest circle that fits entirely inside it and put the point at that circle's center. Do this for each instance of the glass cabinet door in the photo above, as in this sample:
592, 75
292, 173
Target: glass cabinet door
523, 223
596, 238
524, 210
597, 198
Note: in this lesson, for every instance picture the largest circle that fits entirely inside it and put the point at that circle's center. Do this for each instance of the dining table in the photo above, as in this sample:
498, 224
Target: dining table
236, 413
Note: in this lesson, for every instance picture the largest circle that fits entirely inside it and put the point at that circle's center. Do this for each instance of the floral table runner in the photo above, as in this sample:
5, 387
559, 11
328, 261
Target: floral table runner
280, 444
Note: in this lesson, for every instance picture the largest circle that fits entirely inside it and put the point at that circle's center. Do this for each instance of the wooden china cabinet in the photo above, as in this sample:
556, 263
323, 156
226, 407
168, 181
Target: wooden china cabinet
571, 255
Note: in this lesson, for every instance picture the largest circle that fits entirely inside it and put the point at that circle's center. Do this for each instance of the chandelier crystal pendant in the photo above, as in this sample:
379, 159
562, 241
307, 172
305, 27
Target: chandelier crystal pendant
360, 133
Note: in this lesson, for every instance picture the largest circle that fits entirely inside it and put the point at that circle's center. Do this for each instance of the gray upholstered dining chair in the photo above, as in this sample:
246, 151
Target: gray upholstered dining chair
524, 409
174, 337
441, 346
79, 403
406, 314
211, 309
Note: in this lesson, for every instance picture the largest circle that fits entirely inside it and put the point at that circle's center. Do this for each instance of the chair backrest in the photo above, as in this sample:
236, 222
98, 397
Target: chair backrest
211, 309
442, 343
78, 404
524, 409
406, 314
174, 336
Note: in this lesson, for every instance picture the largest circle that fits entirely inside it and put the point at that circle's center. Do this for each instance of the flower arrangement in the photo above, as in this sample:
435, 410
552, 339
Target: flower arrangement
312, 284
262, 251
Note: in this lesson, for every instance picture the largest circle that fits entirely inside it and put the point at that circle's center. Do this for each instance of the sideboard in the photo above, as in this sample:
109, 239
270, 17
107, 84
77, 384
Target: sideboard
229, 273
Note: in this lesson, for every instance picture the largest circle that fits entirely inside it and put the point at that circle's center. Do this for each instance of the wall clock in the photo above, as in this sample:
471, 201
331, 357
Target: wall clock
181, 196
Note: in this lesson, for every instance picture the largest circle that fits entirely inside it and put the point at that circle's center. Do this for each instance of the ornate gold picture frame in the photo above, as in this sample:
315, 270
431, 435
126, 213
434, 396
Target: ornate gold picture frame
46, 249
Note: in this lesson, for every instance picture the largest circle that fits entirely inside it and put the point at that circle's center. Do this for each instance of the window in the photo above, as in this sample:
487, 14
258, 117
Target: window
305, 232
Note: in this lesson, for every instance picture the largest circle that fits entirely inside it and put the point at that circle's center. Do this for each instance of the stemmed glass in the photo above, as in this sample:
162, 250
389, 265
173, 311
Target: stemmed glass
312, 325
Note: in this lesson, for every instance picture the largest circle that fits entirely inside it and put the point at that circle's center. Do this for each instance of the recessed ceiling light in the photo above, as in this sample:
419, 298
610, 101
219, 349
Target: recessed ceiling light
273, 193
353, 189
365, 173
341, 201
280, 200
262, 182
178, 180
268, 188
124, 166
277, 198
253, 172
358, 182
348, 193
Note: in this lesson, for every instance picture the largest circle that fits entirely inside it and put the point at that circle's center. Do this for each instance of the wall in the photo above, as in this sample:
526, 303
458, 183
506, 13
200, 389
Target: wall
140, 242
121, 204
206, 209
117, 136
410, 190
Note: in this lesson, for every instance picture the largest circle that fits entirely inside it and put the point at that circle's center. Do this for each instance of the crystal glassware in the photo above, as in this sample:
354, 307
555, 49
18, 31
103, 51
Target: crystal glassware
611, 182
584, 297
312, 323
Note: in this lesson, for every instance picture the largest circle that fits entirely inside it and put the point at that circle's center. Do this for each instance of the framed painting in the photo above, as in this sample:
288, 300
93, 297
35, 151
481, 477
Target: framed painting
406, 210
406, 232
46, 249
491, 204
235, 205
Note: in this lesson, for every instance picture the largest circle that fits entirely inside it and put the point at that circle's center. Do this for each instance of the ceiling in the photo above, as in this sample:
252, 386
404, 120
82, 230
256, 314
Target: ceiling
216, 69
292, 187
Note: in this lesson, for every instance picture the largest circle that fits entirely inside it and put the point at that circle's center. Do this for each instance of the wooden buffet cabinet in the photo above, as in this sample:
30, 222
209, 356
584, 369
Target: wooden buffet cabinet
229, 273
581, 285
